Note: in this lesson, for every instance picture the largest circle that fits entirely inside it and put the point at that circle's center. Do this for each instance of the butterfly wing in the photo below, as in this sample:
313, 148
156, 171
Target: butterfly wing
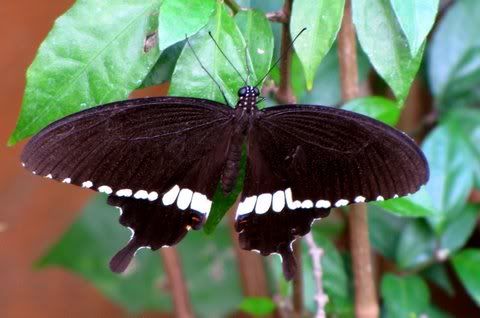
158, 159
304, 160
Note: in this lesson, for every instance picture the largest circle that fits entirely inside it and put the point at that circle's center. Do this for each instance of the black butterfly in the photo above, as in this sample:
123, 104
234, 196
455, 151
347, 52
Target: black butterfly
160, 161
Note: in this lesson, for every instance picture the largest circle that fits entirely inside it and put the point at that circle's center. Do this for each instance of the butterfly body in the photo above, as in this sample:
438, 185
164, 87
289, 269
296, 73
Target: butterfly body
161, 159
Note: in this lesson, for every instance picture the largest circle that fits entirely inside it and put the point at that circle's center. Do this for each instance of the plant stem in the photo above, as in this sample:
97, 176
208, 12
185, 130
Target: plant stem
316, 254
284, 94
298, 280
250, 265
173, 268
366, 304
233, 5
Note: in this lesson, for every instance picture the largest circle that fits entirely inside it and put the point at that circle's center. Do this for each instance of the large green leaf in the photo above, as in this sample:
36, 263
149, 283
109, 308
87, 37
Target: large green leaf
208, 265
257, 32
323, 19
454, 55
178, 19
189, 79
451, 170
379, 108
384, 43
416, 17
336, 282
404, 296
87, 61
466, 265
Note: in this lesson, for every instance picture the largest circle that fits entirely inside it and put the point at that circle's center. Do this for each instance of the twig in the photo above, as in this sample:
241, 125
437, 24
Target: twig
277, 16
474, 196
298, 281
176, 281
250, 265
233, 6
426, 123
316, 253
366, 304
285, 94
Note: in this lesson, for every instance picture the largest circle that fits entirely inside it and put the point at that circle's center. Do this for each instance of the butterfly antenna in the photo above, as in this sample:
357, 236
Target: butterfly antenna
206, 71
281, 56
229, 62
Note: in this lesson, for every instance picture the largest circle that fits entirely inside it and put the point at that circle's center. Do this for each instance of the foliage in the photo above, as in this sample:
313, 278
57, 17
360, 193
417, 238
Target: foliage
85, 62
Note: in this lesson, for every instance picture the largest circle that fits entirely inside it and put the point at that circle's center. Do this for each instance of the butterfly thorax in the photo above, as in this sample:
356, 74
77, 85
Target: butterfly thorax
244, 111
247, 99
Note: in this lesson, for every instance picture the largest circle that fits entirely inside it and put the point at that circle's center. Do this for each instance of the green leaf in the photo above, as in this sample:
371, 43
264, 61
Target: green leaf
419, 244
434, 312
221, 203
458, 229
327, 79
404, 296
86, 249
384, 43
385, 230
178, 19
257, 32
163, 69
208, 265
451, 170
336, 282
466, 265
454, 55
379, 108
415, 205
469, 128
416, 245
189, 79
416, 19
323, 19
438, 274
87, 61
257, 306
211, 273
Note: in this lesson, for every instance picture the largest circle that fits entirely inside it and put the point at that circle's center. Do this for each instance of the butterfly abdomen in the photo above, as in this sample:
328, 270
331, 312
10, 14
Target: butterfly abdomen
232, 164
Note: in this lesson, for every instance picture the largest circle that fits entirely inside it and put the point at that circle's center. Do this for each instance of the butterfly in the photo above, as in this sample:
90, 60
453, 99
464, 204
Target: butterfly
161, 159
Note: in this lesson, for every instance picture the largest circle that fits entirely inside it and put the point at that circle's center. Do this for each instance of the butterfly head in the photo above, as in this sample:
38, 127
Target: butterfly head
248, 97
246, 91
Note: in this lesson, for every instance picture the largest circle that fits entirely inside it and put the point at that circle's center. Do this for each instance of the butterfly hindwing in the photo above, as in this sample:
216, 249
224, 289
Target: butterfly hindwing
185, 206
304, 160
158, 159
